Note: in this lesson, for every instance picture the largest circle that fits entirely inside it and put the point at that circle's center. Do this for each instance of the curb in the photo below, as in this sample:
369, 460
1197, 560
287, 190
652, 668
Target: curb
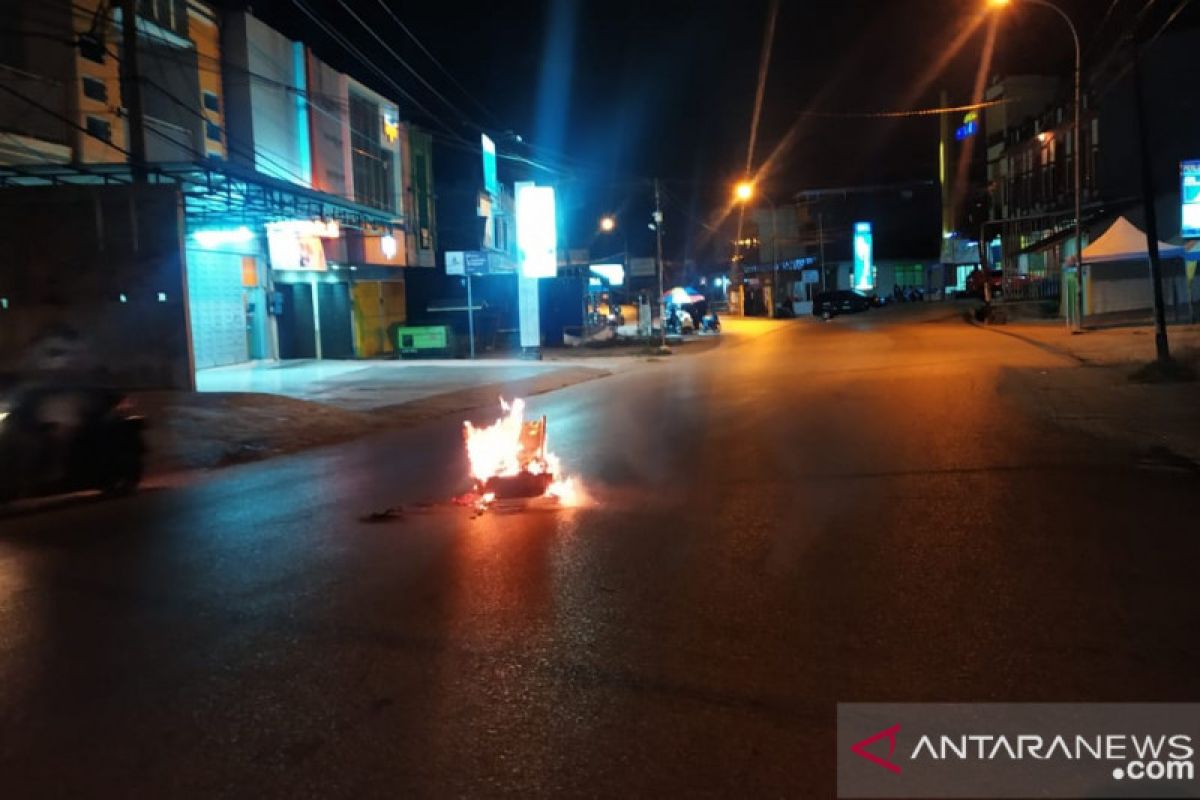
1043, 346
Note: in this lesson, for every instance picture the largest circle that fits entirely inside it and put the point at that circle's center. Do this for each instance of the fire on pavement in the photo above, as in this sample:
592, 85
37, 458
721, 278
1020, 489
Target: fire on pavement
510, 461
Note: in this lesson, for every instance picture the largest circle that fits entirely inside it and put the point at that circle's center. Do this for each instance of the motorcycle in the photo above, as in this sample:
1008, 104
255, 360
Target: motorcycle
59, 440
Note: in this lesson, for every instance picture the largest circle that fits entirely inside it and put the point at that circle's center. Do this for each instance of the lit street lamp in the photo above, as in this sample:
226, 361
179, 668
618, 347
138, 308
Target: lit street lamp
999, 4
608, 223
743, 193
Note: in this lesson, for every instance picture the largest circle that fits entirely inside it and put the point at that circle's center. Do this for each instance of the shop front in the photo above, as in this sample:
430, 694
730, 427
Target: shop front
311, 290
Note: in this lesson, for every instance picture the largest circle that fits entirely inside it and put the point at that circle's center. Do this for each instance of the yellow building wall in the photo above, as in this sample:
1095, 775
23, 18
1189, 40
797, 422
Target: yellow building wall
88, 149
377, 306
202, 29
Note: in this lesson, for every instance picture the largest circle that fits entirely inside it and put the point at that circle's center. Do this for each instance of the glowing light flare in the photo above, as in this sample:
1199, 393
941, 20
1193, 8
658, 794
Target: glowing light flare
743, 191
211, 239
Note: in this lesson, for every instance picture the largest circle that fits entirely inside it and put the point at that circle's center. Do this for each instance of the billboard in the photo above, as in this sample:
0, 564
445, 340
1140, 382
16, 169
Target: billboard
1190, 171
537, 231
864, 257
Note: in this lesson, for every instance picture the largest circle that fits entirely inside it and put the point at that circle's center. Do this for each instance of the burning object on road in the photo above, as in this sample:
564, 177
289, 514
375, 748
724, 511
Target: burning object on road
510, 461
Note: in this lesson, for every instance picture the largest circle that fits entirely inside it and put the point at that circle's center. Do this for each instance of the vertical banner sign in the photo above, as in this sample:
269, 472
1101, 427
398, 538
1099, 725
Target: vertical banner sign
537, 231
864, 257
491, 183
1190, 171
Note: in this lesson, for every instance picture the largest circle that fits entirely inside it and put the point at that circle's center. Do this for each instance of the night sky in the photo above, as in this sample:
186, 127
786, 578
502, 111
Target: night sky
667, 88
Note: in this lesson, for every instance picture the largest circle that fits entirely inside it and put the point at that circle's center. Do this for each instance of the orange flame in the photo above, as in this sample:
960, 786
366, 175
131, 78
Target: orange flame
510, 447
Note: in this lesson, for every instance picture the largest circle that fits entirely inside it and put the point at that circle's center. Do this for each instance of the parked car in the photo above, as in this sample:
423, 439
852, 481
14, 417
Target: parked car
995, 281
828, 305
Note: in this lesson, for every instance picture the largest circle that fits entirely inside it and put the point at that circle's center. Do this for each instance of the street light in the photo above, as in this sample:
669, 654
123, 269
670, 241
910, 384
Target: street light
608, 223
1000, 4
743, 192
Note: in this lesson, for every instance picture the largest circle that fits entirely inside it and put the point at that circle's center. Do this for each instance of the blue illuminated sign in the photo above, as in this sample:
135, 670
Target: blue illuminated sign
864, 257
1190, 171
969, 128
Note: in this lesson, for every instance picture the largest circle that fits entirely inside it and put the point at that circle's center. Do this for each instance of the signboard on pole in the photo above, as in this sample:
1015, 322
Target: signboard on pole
864, 257
491, 182
1190, 175
642, 267
456, 262
537, 231
475, 262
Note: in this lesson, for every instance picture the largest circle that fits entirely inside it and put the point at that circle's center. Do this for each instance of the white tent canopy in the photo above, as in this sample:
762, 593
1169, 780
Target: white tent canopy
1124, 241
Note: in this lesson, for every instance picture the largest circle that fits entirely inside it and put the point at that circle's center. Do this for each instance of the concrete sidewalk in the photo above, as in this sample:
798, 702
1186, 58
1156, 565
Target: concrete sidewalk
1092, 391
1124, 346
369, 385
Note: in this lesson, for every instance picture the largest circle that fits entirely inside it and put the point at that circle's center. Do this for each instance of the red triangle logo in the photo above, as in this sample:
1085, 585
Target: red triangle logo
860, 748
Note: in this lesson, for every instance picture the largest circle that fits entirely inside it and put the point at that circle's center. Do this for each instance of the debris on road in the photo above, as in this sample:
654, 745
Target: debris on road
386, 515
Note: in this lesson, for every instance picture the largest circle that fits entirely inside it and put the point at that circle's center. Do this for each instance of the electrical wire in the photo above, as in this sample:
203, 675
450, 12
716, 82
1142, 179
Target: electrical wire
375, 35
919, 112
337, 37
435, 61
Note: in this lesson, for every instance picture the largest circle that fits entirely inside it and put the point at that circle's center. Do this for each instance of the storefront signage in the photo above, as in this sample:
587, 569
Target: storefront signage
299, 244
864, 257
1191, 199
969, 128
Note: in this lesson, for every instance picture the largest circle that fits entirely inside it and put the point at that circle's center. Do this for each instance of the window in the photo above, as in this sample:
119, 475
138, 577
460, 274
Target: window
99, 128
211, 101
91, 48
95, 89
213, 131
909, 275
373, 164
421, 181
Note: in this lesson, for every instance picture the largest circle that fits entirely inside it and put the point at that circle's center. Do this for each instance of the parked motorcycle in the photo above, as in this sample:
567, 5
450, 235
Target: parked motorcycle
58, 439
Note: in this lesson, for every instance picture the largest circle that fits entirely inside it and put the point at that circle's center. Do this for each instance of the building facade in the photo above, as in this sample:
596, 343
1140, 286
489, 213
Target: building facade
305, 195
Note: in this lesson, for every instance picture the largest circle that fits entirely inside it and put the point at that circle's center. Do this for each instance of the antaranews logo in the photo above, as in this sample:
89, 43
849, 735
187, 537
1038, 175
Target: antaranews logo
1018, 750
860, 748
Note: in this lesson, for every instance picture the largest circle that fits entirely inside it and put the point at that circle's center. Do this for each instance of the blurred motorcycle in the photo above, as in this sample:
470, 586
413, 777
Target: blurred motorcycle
58, 440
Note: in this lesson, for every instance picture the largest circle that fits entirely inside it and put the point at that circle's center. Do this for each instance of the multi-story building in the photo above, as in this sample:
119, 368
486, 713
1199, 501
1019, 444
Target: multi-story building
1031, 166
304, 194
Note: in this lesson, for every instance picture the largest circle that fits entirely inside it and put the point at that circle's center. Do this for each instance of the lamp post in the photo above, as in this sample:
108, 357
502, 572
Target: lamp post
997, 4
743, 193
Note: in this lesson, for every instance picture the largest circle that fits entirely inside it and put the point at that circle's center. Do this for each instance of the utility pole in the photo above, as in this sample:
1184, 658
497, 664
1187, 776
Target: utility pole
131, 74
821, 245
662, 306
471, 316
1161, 347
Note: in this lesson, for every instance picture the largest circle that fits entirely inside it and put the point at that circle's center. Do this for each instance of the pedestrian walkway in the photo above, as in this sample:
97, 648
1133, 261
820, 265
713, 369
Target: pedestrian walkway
365, 385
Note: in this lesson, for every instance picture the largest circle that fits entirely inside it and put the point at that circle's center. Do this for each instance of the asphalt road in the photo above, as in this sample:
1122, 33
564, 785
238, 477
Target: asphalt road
812, 513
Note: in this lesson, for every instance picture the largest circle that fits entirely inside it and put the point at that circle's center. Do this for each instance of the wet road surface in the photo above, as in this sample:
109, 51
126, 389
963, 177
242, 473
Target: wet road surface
812, 513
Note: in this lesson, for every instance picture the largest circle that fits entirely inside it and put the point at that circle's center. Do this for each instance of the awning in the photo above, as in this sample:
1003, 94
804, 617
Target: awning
1124, 241
212, 190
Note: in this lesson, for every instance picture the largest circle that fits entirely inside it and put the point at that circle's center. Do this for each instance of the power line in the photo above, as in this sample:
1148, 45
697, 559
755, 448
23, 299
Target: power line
919, 112
402, 62
354, 51
435, 61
